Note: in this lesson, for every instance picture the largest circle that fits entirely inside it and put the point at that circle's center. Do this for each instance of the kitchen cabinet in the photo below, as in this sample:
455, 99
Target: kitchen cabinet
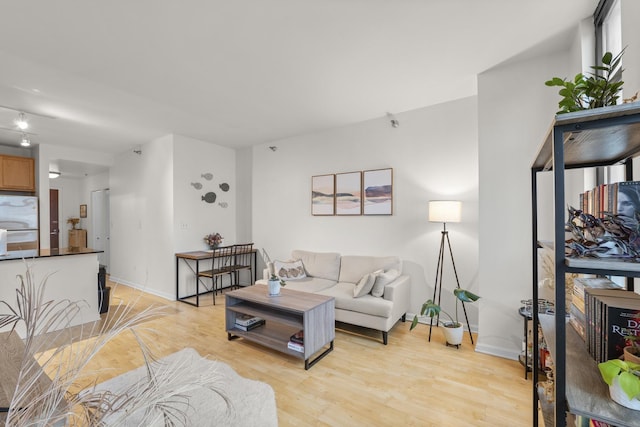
17, 173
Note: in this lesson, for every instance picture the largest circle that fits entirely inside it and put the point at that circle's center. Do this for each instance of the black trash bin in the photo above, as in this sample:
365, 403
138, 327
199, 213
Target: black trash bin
103, 290
103, 299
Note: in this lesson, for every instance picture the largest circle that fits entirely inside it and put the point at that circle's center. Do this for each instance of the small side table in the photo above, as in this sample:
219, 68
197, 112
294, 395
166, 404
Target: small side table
526, 358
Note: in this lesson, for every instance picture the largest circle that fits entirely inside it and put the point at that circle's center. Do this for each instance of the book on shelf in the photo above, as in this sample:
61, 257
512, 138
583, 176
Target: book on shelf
298, 337
610, 313
251, 326
577, 310
246, 319
295, 346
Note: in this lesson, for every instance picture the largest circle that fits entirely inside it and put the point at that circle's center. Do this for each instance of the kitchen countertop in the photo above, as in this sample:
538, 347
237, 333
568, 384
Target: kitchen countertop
47, 253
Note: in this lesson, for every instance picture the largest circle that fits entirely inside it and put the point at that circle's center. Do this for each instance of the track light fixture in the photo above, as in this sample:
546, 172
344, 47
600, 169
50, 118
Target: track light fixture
25, 142
21, 121
392, 119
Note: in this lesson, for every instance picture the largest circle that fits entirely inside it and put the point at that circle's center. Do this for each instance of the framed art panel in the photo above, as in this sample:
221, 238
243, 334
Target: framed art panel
83, 211
349, 193
378, 192
322, 195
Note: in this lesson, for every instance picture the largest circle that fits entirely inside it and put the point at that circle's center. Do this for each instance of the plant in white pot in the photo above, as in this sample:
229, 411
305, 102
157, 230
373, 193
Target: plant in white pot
274, 285
623, 379
453, 328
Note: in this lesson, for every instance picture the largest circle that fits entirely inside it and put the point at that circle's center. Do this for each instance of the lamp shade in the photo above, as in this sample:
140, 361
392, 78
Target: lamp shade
445, 210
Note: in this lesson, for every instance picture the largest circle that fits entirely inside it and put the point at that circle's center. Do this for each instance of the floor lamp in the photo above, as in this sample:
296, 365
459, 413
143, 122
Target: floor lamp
445, 211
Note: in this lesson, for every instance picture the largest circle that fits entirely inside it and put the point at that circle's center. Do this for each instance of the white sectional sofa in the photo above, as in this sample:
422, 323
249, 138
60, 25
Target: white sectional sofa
383, 292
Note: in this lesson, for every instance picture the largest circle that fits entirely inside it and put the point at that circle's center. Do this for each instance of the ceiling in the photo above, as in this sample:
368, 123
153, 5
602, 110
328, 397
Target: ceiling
116, 74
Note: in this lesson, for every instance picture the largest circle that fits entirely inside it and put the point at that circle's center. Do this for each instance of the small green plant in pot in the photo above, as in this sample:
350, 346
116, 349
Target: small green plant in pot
431, 309
592, 91
623, 379
274, 285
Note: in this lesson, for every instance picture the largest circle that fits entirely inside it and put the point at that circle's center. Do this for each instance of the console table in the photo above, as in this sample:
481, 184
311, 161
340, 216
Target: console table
192, 260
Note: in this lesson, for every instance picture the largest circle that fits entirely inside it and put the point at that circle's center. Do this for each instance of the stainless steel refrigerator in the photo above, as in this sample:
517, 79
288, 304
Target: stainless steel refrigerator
19, 217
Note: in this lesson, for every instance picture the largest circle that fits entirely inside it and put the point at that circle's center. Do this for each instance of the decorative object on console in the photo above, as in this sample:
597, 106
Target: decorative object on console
322, 195
349, 193
445, 211
378, 192
584, 93
213, 240
73, 222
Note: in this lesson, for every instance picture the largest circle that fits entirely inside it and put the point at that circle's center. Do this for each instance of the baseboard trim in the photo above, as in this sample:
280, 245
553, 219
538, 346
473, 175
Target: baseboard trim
497, 351
164, 295
425, 321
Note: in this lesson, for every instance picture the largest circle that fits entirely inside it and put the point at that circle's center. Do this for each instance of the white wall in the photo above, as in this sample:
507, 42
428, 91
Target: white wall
194, 217
433, 155
515, 112
156, 212
44, 154
630, 10
69, 196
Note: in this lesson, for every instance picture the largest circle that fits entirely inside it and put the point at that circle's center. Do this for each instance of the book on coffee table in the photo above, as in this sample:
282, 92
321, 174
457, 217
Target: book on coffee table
251, 326
246, 319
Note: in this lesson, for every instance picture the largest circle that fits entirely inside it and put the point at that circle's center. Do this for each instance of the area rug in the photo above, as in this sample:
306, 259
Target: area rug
248, 403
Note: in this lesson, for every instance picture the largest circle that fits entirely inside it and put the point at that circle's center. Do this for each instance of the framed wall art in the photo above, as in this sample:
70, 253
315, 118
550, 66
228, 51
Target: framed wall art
378, 192
83, 211
349, 193
323, 194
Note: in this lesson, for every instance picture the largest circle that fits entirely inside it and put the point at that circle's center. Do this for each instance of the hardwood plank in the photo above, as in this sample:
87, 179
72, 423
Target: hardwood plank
410, 382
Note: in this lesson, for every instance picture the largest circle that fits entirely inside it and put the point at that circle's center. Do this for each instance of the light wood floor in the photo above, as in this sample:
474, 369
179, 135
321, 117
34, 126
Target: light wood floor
410, 382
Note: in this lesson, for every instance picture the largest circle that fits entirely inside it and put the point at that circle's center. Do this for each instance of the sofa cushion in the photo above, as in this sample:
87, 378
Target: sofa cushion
367, 304
353, 267
325, 265
365, 284
289, 270
310, 284
382, 280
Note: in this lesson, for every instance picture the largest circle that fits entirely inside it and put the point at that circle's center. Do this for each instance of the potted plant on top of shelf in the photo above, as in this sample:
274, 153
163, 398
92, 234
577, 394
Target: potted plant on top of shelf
453, 328
623, 379
594, 91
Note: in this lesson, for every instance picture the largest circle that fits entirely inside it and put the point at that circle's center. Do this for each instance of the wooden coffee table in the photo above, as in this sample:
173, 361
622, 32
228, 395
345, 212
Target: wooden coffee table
285, 315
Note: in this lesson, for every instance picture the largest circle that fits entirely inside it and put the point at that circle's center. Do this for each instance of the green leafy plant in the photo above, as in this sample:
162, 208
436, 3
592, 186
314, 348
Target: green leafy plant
274, 278
628, 376
592, 91
431, 309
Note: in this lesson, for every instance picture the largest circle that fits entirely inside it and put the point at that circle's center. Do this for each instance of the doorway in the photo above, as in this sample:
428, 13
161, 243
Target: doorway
54, 224
100, 224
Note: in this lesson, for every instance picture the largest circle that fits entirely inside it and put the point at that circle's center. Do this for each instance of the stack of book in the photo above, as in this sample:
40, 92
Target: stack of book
612, 316
296, 342
577, 317
246, 322
604, 198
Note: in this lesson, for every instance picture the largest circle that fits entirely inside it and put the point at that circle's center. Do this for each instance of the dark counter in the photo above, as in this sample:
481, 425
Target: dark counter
47, 253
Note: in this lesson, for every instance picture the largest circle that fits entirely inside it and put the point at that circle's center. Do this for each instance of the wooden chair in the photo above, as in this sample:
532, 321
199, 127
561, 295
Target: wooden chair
222, 260
243, 255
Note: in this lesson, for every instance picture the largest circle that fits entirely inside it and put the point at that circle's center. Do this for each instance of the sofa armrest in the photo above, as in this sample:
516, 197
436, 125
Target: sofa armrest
399, 292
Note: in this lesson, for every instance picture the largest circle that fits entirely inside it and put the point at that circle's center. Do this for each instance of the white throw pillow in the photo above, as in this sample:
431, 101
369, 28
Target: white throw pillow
382, 280
364, 285
291, 270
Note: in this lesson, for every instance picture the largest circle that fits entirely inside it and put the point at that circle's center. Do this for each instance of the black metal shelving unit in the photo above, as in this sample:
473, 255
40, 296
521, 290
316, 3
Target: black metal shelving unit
599, 137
